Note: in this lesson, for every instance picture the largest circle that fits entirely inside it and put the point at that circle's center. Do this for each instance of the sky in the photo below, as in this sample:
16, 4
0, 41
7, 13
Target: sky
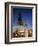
26, 15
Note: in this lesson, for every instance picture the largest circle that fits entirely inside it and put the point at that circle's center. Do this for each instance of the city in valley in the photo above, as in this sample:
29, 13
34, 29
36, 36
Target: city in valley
21, 31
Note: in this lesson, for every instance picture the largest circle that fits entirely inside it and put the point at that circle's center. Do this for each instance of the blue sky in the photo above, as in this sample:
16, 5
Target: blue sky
26, 15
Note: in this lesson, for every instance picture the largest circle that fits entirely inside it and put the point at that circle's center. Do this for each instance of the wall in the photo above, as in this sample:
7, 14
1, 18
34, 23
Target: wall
2, 24
37, 22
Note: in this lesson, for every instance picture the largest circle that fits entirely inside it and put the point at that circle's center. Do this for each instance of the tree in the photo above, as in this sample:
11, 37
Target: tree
20, 19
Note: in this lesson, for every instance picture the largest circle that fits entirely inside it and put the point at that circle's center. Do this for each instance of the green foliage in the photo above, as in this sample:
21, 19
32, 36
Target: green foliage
20, 19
